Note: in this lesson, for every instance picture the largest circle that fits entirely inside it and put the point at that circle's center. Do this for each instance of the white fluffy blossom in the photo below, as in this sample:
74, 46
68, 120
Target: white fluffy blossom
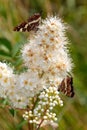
48, 62
6, 79
47, 53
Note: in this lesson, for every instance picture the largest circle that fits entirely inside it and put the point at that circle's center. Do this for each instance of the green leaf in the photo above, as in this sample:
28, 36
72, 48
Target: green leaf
18, 62
3, 53
5, 56
3, 102
19, 126
3, 12
16, 49
5, 44
12, 111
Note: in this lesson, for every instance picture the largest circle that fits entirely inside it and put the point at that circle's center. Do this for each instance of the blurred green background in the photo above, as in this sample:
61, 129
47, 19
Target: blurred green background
73, 115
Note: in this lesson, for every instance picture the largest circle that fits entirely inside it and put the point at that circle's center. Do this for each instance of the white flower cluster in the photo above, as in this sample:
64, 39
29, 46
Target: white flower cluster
6, 79
46, 53
48, 99
11, 87
46, 57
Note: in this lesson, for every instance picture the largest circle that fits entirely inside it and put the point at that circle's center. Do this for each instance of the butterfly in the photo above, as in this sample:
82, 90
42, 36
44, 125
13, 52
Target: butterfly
66, 86
30, 25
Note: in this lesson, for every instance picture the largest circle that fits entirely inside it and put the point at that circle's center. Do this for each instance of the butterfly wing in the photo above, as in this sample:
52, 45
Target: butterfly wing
21, 27
66, 86
31, 24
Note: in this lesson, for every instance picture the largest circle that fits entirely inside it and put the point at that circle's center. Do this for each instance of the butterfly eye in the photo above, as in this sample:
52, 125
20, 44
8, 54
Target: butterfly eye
30, 25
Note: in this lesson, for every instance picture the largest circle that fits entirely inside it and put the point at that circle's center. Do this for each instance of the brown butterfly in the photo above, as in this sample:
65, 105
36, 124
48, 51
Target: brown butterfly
66, 86
31, 24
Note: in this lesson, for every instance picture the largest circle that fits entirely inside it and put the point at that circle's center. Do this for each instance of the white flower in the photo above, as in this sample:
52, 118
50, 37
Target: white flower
45, 106
18, 100
47, 53
26, 86
48, 61
53, 124
6, 79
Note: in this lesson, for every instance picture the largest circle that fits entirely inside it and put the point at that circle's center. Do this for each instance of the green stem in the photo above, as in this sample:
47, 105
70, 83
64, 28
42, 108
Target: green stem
40, 124
35, 102
29, 127
42, 119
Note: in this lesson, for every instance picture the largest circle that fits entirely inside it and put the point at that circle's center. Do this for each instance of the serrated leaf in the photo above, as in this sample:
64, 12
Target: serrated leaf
18, 62
16, 49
